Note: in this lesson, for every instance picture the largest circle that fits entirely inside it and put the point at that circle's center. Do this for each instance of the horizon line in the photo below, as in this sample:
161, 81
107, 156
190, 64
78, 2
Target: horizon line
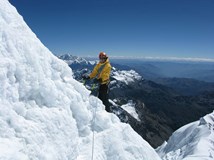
186, 59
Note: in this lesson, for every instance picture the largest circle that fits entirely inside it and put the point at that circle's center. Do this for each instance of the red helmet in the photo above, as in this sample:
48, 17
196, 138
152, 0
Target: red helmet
103, 55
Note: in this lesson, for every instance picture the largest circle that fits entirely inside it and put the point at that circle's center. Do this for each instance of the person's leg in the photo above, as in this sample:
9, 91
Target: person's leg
103, 96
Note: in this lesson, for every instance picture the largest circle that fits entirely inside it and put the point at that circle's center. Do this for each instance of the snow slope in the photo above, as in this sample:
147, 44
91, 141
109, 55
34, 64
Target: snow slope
130, 108
126, 76
44, 113
192, 141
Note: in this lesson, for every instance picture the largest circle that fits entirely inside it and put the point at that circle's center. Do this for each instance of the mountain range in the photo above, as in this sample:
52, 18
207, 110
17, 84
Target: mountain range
202, 71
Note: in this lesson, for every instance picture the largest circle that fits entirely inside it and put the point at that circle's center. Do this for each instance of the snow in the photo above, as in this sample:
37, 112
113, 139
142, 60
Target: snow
126, 77
70, 59
192, 141
130, 108
46, 114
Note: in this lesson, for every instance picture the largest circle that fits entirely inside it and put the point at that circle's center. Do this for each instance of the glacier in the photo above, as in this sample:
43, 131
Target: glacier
194, 141
46, 114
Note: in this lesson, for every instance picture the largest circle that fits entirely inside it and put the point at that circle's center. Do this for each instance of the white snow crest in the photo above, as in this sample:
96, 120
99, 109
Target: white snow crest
44, 113
193, 141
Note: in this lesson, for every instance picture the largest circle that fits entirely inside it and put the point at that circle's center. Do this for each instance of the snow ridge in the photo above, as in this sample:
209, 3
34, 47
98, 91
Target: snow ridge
192, 141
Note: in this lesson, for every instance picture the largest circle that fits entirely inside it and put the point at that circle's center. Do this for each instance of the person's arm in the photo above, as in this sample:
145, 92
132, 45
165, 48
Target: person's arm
94, 72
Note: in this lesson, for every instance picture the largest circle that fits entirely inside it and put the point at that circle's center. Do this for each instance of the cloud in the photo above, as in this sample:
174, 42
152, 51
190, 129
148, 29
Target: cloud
187, 59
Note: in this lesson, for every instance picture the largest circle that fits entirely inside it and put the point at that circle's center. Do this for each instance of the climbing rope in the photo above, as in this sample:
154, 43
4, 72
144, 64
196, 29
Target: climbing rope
93, 87
93, 124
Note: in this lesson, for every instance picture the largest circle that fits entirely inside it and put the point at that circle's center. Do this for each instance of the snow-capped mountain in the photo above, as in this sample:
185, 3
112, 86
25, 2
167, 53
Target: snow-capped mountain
70, 59
125, 77
47, 115
192, 141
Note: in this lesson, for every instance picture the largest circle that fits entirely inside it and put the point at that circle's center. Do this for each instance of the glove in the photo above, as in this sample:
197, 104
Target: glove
97, 80
85, 77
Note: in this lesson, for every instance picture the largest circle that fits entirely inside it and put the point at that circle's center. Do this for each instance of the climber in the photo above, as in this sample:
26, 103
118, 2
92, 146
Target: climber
101, 75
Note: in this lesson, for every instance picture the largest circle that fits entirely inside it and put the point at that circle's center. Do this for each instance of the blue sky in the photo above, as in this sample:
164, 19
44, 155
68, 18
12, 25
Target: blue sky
155, 28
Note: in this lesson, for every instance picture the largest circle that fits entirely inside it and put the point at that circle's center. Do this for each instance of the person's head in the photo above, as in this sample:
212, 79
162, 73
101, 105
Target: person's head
103, 57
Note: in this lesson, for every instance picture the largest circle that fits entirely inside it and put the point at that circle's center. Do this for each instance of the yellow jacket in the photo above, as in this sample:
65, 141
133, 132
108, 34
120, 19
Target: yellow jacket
102, 73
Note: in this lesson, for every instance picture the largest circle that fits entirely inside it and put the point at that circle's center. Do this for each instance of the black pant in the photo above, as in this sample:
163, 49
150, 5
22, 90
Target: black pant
103, 96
